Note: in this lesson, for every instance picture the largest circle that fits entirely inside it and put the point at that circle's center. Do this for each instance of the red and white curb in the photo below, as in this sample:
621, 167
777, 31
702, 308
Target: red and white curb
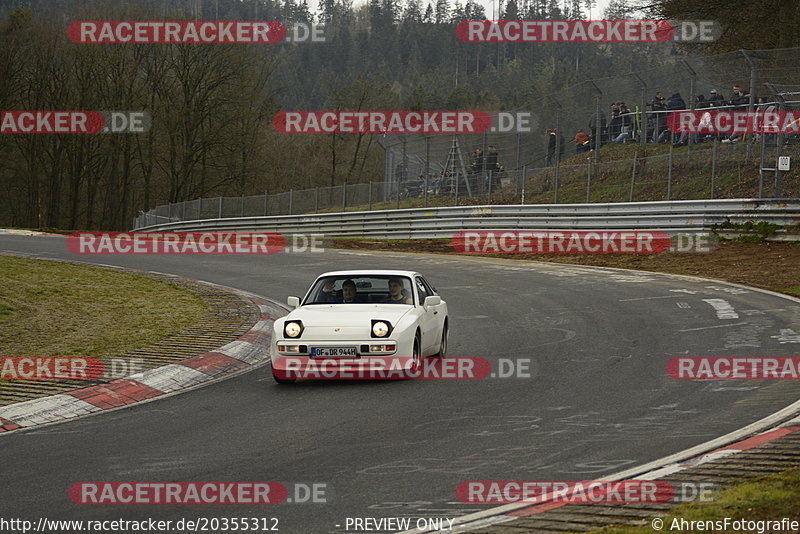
250, 349
726, 445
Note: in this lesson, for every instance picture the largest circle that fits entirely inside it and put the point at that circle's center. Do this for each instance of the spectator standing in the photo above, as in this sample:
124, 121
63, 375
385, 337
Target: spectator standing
700, 103
659, 107
597, 130
581, 141
626, 124
738, 101
715, 99
675, 103
554, 138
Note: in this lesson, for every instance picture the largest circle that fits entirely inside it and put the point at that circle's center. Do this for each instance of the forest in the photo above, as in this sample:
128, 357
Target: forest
211, 104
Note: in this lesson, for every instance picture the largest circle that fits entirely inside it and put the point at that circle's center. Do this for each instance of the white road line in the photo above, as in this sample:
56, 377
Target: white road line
709, 327
652, 298
723, 308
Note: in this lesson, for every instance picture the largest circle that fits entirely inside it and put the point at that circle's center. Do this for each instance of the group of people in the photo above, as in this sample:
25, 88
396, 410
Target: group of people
489, 163
626, 125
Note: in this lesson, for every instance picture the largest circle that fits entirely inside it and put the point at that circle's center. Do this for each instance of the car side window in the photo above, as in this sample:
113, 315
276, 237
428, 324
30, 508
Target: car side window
421, 289
429, 288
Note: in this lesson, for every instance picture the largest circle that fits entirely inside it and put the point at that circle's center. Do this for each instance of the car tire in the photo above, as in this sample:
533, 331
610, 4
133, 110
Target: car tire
416, 356
443, 342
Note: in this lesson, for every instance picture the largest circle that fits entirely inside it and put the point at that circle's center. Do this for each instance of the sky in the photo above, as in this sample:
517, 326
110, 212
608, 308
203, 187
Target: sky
491, 5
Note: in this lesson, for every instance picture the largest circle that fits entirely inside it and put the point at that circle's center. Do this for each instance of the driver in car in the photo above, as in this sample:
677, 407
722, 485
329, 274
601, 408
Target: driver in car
396, 293
329, 293
349, 292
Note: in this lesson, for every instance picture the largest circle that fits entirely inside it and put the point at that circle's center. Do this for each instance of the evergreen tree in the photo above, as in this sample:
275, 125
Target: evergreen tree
442, 11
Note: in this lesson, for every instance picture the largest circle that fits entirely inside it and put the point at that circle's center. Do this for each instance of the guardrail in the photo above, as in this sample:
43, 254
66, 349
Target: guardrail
685, 216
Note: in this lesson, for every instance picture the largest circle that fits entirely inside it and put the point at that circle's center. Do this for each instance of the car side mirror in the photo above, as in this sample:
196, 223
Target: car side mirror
433, 300
293, 302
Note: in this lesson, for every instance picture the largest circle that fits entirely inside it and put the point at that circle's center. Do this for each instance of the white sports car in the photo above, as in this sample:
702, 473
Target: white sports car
352, 320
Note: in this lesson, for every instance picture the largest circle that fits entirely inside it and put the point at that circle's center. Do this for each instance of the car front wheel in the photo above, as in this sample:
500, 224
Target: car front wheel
416, 363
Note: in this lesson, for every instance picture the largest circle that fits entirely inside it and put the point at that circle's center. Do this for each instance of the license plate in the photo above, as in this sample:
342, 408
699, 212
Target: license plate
332, 352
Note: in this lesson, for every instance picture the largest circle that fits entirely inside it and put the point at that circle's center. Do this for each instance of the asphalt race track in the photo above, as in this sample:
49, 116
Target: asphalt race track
598, 400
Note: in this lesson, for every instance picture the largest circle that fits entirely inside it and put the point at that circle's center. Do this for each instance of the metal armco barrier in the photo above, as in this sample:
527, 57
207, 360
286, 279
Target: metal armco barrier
685, 216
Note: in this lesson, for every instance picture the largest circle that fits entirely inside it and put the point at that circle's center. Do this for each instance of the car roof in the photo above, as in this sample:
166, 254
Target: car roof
368, 272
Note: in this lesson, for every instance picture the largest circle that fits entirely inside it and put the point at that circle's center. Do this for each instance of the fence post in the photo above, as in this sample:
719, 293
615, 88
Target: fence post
344, 196
558, 150
169, 212
633, 178
266, 200
398, 193
291, 198
642, 115
713, 165
598, 127
669, 169
241, 207
779, 138
370, 195
523, 183
588, 178
692, 83
489, 196
483, 166
316, 201
751, 103
219, 216
427, 166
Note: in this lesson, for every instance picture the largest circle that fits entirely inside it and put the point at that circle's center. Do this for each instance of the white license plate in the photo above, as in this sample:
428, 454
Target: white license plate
332, 352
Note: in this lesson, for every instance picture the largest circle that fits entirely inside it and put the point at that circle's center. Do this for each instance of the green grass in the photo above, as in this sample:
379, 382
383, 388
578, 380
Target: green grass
794, 290
766, 498
735, 177
5, 311
57, 309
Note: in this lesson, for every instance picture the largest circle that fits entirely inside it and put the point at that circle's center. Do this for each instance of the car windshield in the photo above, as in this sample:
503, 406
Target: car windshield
364, 289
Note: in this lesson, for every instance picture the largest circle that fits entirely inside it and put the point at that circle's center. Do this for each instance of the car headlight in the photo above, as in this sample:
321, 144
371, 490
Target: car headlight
381, 328
292, 329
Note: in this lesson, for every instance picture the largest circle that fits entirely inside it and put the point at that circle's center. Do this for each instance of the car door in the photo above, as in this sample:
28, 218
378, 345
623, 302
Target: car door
429, 319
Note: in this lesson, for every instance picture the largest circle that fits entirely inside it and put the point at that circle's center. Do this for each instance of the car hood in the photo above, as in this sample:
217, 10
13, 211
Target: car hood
348, 314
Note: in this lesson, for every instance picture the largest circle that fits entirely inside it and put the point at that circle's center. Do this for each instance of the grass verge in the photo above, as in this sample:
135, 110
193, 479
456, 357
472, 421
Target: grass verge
58, 309
768, 498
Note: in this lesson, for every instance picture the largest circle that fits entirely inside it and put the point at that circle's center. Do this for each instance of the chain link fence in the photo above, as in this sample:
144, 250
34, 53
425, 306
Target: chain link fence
522, 166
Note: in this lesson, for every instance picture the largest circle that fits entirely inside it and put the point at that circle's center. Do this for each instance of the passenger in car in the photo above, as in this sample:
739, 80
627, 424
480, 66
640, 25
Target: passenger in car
397, 293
